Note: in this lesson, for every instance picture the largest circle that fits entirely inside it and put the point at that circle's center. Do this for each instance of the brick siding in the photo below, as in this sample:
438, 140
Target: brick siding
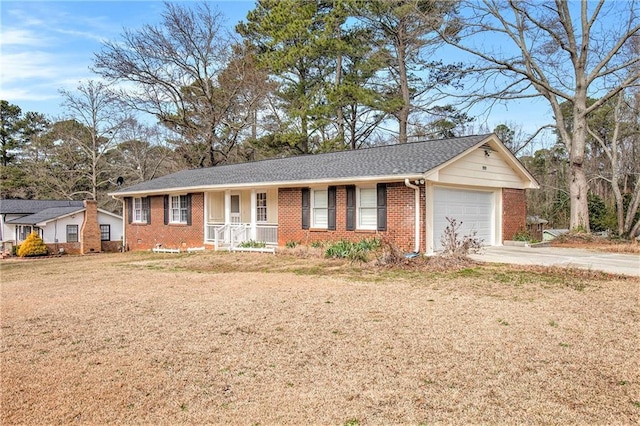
111, 246
400, 219
90, 230
514, 212
68, 248
142, 236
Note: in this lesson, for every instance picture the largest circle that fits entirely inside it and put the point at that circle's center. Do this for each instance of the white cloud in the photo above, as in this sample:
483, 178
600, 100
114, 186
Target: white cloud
17, 95
21, 37
28, 65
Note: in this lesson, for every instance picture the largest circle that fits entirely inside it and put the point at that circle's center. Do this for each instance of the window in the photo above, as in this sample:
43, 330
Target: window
319, 209
261, 206
140, 210
23, 232
178, 209
367, 208
72, 233
105, 232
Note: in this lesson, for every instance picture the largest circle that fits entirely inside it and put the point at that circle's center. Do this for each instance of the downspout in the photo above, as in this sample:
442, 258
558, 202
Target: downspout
124, 223
416, 190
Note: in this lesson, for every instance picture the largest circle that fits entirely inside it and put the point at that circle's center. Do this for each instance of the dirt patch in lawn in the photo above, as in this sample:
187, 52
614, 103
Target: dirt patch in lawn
262, 339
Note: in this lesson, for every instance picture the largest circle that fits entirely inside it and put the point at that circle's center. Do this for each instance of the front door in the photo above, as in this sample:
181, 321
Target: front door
235, 208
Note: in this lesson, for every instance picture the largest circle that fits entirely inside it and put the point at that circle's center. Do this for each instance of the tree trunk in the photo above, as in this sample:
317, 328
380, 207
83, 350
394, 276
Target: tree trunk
338, 82
578, 187
403, 113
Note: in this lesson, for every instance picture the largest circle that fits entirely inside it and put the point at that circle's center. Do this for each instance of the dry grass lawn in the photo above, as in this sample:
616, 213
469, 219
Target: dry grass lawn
222, 338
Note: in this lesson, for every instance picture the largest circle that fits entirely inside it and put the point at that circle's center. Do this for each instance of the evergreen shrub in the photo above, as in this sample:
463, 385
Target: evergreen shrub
33, 246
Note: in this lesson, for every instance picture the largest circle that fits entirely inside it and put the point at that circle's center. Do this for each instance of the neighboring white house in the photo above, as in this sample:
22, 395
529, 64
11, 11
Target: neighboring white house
69, 226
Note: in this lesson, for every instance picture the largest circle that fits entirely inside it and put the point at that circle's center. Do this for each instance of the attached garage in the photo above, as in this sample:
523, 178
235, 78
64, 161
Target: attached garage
482, 189
475, 210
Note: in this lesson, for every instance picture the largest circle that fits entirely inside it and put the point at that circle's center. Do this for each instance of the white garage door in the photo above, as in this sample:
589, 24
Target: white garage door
473, 208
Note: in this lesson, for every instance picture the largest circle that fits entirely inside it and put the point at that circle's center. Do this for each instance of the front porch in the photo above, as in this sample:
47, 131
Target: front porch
242, 220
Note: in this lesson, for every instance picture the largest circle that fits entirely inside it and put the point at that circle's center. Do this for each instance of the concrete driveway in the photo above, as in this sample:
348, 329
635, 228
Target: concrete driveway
626, 264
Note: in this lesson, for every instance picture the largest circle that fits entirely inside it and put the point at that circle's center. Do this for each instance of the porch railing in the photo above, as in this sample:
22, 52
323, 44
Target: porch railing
238, 235
232, 235
267, 234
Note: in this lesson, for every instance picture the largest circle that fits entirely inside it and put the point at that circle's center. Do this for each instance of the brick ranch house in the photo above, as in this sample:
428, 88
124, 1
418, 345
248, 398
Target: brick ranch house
403, 192
69, 226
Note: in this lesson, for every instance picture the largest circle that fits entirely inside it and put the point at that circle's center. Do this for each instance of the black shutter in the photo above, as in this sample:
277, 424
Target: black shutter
331, 208
305, 207
382, 206
129, 203
146, 206
166, 209
188, 198
351, 207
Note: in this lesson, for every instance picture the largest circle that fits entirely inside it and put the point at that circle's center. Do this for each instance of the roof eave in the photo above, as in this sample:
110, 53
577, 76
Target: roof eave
45, 222
278, 184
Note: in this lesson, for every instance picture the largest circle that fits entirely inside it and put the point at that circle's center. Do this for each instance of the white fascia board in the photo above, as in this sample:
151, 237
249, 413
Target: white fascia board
39, 224
117, 216
280, 184
529, 182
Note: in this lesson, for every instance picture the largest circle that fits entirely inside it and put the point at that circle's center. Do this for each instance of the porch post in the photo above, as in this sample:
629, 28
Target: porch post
205, 217
227, 214
227, 206
254, 214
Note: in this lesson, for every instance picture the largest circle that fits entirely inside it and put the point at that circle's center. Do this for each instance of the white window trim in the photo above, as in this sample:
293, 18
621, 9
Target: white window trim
20, 232
312, 208
179, 209
359, 226
138, 213
261, 209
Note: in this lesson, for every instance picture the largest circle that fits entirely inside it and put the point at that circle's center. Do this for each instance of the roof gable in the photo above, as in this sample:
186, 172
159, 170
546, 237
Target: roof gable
489, 164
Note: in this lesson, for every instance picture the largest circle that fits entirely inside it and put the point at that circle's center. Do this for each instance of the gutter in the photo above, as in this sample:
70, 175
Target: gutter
416, 190
254, 185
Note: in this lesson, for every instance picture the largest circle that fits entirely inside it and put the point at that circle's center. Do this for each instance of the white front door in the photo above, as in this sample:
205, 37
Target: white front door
235, 208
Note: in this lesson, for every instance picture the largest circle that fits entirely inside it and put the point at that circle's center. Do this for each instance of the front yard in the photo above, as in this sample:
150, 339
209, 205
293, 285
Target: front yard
260, 339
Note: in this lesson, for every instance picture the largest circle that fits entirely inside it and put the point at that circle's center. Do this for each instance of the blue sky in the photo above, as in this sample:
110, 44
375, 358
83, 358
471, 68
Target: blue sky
49, 45
46, 46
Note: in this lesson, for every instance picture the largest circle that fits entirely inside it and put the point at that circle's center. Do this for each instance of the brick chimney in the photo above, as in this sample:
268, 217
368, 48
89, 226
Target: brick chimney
90, 231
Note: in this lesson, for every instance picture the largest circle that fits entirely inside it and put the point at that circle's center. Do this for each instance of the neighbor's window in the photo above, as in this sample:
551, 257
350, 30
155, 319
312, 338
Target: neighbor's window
367, 208
319, 208
105, 232
178, 209
23, 232
72, 233
140, 213
261, 206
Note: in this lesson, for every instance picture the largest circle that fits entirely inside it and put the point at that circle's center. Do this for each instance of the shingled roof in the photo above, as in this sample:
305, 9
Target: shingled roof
46, 215
401, 160
34, 206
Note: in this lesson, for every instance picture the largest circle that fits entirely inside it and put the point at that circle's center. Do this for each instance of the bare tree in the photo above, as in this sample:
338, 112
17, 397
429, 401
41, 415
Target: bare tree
612, 143
185, 72
561, 51
142, 154
99, 118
